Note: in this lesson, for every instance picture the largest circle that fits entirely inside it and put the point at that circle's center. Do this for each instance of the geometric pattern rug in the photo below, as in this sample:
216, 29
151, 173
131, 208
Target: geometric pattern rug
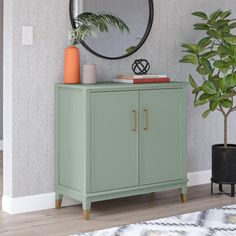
213, 222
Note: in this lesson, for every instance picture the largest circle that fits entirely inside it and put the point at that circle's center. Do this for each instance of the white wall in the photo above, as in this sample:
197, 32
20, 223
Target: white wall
32, 71
7, 97
1, 71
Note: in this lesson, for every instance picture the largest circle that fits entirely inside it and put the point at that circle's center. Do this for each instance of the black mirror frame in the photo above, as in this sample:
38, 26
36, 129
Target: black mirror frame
147, 32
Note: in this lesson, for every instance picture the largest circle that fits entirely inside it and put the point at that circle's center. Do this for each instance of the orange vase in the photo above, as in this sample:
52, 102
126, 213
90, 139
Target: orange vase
72, 65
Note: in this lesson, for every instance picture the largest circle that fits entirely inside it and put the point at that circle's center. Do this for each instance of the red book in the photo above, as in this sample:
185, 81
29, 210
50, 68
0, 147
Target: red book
153, 80
143, 81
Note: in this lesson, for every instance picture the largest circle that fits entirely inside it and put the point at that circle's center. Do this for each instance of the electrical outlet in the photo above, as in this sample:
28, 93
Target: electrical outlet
27, 35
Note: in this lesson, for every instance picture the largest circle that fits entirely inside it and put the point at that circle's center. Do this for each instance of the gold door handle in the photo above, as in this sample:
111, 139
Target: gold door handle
146, 125
135, 120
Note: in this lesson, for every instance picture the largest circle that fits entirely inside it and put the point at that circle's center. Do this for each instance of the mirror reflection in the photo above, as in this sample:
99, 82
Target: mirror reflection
116, 44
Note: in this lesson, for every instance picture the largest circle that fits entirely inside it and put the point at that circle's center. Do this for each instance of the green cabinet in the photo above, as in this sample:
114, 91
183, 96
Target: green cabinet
114, 152
161, 136
117, 140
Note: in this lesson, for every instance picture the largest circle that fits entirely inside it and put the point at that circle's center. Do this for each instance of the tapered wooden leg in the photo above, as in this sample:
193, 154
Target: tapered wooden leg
183, 194
58, 204
86, 214
86, 209
58, 201
184, 197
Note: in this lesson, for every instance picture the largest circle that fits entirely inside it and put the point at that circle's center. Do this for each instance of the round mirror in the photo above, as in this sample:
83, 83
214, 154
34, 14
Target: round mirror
138, 16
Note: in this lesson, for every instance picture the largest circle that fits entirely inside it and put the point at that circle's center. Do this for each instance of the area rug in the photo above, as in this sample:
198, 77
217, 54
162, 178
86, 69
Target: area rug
213, 222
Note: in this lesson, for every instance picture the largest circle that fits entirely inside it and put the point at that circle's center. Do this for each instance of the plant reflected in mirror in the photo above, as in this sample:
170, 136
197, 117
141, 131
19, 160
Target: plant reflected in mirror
88, 23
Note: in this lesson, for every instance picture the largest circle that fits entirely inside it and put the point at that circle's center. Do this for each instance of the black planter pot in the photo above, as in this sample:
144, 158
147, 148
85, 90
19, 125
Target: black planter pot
224, 166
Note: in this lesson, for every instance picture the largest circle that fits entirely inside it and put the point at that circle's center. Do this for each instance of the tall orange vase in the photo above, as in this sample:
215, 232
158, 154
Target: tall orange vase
72, 65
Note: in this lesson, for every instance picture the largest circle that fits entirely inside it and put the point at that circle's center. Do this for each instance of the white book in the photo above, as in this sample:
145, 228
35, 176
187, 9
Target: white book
128, 81
140, 76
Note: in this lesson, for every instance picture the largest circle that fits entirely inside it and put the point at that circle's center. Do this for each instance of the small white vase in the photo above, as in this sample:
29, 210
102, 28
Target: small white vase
89, 74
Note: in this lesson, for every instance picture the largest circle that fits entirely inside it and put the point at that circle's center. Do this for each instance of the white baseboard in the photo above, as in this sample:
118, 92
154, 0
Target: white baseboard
28, 204
199, 178
1, 145
47, 201
40, 202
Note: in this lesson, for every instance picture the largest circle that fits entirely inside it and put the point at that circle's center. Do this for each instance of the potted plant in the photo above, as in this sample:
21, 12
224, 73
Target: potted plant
215, 59
87, 24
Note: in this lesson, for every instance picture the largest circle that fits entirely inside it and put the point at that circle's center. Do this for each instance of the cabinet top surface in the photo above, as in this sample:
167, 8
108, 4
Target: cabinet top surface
112, 85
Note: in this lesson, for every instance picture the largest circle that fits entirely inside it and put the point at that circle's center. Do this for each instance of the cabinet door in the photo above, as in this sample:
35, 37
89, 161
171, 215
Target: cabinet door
161, 135
114, 132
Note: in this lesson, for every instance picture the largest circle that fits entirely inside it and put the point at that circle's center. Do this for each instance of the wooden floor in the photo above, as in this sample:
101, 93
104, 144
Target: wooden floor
107, 214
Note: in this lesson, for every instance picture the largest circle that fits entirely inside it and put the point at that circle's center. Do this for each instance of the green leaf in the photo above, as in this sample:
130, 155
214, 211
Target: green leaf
225, 31
196, 90
233, 81
226, 103
222, 51
222, 24
230, 40
192, 82
204, 42
225, 14
215, 96
213, 33
214, 104
200, 102
204, 96
215, 80
202, 70
192, 59
224, 84
207, 65
232, 61
232, 26
214, 16
229, 94
221, 64
206, 113
131, 49
201, 26
200, 14
209, 88
232, 50
192, 48
209, 55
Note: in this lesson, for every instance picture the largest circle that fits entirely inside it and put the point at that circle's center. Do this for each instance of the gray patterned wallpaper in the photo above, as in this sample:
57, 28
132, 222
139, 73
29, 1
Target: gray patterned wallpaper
37, 68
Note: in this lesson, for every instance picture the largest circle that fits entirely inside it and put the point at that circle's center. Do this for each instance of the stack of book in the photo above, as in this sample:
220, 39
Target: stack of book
141, 79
